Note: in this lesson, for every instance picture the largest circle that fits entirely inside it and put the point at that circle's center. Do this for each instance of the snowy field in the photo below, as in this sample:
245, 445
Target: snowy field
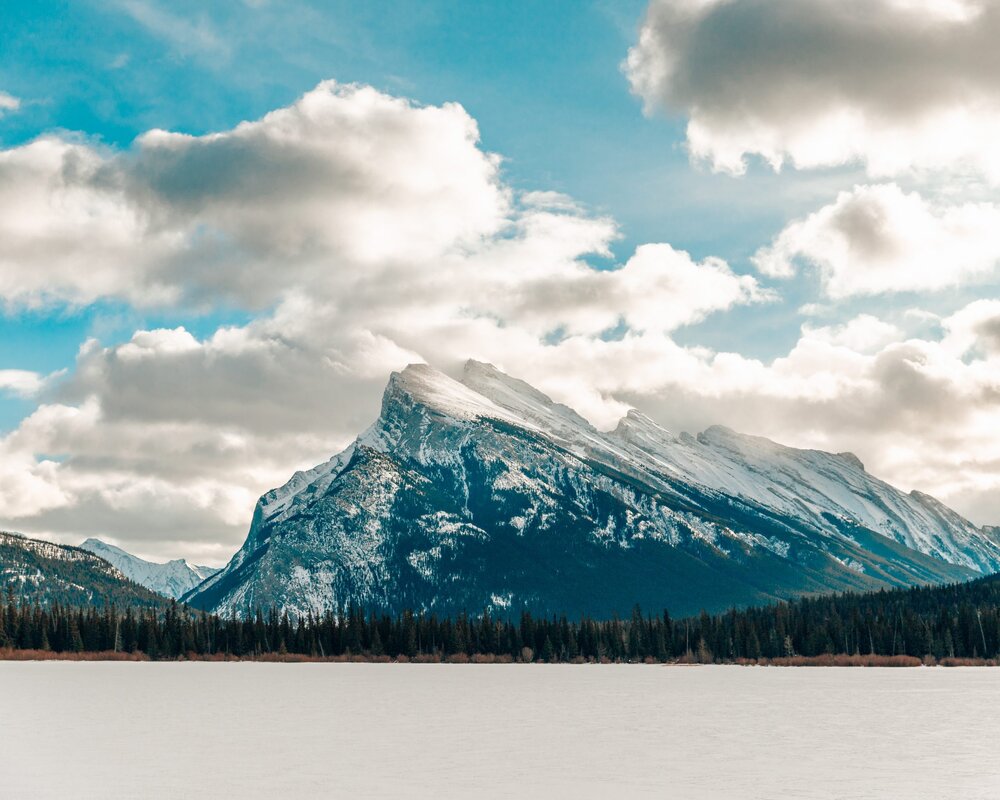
100, 730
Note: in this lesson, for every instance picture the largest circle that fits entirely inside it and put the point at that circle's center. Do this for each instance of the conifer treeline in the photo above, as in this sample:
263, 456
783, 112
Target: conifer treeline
959, 621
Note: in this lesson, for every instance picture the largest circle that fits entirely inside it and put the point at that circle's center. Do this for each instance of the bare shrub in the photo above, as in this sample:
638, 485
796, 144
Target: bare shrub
426, 658
9, 654
483, 658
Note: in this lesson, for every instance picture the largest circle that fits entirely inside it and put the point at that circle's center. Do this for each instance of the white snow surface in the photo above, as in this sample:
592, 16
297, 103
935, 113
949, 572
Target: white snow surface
173, 578
165, 730
811, 484
437, 391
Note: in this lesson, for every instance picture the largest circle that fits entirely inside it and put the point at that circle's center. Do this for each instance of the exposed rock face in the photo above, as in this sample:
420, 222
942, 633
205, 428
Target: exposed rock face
485, 494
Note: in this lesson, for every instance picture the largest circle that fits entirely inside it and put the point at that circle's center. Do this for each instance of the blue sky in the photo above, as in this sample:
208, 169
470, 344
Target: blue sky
844, 301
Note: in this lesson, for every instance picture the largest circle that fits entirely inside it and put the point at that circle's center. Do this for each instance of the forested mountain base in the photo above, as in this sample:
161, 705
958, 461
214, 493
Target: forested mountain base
42, 572
947, 624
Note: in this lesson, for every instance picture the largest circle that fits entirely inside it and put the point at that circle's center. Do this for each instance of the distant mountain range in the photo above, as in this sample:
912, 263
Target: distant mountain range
45, 573
485, 493
172, 579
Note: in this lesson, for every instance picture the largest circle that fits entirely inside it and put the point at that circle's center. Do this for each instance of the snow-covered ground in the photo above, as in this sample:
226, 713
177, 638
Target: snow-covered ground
99, 730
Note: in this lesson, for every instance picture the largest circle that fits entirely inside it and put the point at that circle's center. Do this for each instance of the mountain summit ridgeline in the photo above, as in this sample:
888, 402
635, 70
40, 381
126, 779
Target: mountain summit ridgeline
485, 494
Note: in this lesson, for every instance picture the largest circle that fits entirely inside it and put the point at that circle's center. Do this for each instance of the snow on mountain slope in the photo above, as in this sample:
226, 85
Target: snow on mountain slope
828, 490
173, 579
486, 493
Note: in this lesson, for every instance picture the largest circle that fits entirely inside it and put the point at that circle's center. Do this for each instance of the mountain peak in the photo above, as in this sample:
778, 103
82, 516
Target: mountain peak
853, 460
447, 512
635, 422
423, 384
171, 578
720, 432
522, 399
488, 380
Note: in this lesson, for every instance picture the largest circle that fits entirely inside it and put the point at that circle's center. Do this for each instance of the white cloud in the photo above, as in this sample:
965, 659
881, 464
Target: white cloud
65, 237
658, 289
185, 35
8, 103
917, 413
348, 193
880, 239
21, 383
344, 180
899, 85
863, 334
974, 329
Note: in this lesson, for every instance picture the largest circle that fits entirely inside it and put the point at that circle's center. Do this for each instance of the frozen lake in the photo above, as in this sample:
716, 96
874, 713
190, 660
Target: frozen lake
101, 730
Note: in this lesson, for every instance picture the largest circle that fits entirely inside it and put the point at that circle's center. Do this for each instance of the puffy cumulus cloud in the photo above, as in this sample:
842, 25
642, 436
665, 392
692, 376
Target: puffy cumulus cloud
345, 179
863, 334
63, 237
164, 441
376, 240
70, 471
899, 85
975, 329
879, 239
658, 289
350, 195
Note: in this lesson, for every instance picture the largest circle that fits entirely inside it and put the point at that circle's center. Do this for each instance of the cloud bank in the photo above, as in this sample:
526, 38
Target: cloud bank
879, 239
897, 85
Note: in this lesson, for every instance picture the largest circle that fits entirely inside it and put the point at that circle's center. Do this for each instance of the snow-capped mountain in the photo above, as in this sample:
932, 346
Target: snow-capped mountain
43, 572
173, 578
484, 493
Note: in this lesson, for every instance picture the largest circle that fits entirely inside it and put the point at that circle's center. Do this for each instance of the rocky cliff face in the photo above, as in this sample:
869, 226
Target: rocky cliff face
485, 494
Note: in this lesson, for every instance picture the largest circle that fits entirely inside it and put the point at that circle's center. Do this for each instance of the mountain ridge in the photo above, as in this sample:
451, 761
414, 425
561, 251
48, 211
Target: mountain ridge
41, 572
173, 578
463, 493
